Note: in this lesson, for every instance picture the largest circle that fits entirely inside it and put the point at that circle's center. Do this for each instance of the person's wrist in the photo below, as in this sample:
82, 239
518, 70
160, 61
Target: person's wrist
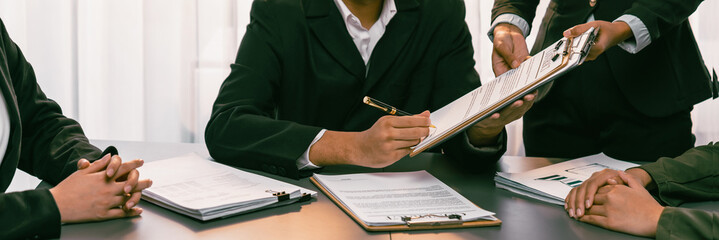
656, 215
334, 148
499, 28
351, 151
642, 176
625, 32
56, 196
506, 27
483, 136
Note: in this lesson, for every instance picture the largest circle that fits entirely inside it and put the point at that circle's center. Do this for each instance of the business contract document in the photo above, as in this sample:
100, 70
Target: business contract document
401, 198
203, 189
502, 91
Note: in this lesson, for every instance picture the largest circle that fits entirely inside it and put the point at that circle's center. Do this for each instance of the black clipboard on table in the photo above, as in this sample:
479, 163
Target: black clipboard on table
537, 71
409, 223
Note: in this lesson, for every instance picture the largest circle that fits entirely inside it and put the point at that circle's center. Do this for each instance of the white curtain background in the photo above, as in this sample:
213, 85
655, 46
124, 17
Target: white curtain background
149, 70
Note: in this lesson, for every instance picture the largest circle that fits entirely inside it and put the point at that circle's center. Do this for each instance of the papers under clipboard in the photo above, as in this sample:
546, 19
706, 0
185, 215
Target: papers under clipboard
402, 201
552, 62
202, 189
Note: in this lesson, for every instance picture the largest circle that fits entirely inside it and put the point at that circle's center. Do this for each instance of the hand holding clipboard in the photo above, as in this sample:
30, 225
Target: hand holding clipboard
481, 103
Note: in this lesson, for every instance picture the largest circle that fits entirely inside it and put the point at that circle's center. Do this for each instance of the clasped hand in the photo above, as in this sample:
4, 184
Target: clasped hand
616, 200
104, 189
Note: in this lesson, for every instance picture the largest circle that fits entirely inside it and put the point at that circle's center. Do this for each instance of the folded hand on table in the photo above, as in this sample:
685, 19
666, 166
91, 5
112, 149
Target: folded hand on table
104, 189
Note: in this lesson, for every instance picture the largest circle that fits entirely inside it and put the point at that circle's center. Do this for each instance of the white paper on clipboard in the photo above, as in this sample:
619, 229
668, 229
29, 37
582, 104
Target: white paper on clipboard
557, 59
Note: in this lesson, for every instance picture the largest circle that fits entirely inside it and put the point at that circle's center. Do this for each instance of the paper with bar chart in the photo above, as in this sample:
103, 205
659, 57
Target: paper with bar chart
552, 183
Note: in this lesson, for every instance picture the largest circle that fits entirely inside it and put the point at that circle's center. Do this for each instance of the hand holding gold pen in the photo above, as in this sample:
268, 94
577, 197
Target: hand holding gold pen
387, 108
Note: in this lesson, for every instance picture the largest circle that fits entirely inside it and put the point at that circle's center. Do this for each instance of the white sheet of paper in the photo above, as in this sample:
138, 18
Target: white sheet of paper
381, 199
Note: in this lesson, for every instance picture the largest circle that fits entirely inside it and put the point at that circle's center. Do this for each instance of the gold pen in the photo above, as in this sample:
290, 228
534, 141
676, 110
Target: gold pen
386, 108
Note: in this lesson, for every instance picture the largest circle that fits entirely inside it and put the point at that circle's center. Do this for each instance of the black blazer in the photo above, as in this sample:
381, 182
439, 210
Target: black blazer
298, 71
666, 77
42, 142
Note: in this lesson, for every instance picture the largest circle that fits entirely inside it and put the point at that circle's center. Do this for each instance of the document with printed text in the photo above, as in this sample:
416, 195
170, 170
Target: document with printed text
205, 189
380, 199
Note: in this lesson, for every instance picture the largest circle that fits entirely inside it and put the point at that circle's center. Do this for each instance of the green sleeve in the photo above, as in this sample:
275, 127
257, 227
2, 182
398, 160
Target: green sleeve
691, 177
685, 223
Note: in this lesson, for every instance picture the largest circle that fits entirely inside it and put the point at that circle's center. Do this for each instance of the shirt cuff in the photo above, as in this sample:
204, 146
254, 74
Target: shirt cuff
641, 38
510, 18
303, 163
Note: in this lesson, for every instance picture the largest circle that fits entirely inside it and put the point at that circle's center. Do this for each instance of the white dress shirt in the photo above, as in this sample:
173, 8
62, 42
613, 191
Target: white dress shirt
4, 128
365, 40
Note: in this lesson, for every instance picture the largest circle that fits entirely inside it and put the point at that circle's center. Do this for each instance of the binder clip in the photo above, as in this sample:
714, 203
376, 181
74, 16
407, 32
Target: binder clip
566, 46
559, 44
433, 220
305, 197
281, 196
715, 84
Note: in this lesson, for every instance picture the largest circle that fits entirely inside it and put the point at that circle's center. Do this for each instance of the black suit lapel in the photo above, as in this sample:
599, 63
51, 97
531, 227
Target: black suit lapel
395, 37
327, 24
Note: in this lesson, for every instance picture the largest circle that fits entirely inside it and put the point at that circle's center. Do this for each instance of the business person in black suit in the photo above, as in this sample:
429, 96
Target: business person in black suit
36, 138
294, 97
633, 101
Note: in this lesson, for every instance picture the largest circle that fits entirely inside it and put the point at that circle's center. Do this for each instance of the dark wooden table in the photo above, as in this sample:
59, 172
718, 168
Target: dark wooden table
523, 218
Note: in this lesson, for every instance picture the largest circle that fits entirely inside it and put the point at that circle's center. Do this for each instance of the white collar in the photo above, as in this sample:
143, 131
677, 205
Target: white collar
388, 11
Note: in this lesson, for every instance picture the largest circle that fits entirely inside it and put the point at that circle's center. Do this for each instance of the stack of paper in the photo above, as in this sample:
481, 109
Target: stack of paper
203, 189
552, 183
382, 199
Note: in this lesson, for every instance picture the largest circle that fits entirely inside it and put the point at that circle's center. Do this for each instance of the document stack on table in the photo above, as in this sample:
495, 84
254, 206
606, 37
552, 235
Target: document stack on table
402, 201
552, 183
205, 190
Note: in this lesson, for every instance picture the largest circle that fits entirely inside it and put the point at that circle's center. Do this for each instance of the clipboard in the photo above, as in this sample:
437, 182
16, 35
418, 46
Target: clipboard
425, 222
573, 52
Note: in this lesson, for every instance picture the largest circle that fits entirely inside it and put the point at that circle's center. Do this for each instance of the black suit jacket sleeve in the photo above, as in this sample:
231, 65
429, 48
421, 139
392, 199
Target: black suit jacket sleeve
51, 142
457, 61
662, 16
43, 142
657, 16
525, 9
243, 129
29, 214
